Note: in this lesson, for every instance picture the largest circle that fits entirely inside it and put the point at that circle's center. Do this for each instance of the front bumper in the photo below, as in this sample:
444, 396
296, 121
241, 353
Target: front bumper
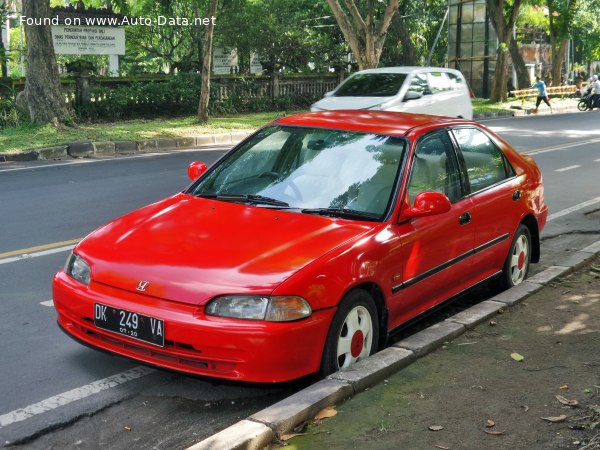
197, 344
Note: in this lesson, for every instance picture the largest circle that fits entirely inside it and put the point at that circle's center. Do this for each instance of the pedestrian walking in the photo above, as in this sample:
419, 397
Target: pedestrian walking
540, 85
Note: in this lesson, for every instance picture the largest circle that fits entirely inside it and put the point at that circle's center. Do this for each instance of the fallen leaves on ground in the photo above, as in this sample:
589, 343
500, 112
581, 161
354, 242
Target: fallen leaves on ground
494, 433
325, 413
556, 419
287, 437
490, 423
566, 401
564, 387
436, 427
517, 357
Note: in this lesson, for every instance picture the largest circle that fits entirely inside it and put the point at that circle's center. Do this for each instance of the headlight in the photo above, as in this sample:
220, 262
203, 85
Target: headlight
254, 307
77, 268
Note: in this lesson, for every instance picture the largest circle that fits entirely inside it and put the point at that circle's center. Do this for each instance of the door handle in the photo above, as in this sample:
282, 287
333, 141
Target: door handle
464, 218
516, 195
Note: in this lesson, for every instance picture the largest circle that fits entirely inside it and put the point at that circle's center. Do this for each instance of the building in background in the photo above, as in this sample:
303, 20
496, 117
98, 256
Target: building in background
472, 44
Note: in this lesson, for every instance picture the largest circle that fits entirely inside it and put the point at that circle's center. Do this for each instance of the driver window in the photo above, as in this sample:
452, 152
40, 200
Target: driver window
435, 168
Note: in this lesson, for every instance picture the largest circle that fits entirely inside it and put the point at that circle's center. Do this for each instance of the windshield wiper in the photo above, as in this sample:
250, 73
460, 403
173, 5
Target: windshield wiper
246, 198
343, 213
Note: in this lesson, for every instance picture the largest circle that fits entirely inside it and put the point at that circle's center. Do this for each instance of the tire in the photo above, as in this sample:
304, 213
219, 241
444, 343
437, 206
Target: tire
582, 105
516, 266
353, 334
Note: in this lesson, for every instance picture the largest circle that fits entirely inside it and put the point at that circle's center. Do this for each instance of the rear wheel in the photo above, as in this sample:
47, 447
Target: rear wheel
518, 260
353, 334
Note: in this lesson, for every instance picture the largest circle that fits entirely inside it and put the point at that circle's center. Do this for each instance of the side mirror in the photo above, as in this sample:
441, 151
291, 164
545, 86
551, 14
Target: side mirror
195, 169
412, 95
428, 204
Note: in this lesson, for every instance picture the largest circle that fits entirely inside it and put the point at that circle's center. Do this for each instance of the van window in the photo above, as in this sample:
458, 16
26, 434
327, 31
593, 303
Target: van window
419, 84
456, 82
371, 85
438, 82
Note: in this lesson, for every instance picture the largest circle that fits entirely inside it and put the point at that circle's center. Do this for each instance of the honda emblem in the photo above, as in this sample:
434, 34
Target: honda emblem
142, 285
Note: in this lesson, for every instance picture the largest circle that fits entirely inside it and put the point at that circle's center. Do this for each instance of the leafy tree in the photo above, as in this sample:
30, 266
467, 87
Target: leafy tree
364, 33
285, 34
503, 15
561, 16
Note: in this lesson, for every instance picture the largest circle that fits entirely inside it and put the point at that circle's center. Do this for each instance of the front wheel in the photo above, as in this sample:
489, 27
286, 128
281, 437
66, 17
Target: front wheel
353, 334
516, 266
582, 105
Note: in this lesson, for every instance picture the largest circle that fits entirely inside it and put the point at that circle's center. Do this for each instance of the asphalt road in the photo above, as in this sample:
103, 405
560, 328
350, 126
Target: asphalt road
49, 381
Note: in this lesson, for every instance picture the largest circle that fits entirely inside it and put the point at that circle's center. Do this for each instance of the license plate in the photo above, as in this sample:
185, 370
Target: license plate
135, 325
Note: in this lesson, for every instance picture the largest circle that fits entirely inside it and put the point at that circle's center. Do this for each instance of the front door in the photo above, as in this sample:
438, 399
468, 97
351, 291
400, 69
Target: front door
436, 250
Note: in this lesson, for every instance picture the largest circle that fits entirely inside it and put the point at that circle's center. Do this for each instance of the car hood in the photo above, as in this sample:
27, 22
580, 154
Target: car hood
191, 249
329, 103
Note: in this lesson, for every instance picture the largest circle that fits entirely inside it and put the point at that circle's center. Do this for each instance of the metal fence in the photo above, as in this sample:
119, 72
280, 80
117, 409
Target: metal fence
222, 87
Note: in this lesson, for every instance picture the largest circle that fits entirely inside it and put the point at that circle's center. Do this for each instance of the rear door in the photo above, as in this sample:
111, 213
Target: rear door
494, 190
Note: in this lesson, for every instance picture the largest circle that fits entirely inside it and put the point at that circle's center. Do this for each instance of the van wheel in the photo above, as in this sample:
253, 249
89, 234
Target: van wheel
353, 334
516, 266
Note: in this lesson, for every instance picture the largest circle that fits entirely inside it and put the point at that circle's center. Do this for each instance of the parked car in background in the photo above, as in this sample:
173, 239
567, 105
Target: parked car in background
424, 90
306, 246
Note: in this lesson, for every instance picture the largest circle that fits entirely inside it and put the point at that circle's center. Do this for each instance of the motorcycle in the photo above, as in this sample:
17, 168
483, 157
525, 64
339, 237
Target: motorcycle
585, 101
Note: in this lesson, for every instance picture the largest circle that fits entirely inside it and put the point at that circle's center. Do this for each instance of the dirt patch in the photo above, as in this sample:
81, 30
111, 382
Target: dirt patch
481, 395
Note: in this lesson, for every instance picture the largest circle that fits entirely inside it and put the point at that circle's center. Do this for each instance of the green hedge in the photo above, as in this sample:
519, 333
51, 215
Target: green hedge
177, 96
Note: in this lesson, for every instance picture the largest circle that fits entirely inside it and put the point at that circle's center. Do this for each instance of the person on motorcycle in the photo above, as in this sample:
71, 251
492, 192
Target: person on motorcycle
540, 85
595, 98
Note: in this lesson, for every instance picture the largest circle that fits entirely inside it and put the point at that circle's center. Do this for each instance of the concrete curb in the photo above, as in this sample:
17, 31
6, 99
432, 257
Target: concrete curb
89, 149
264, 427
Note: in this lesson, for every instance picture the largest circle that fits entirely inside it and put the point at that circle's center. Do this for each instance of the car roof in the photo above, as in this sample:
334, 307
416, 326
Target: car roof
407, 69
381, 122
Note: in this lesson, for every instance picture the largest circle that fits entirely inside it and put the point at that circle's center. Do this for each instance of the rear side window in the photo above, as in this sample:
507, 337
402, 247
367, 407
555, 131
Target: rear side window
486, 164
371, 85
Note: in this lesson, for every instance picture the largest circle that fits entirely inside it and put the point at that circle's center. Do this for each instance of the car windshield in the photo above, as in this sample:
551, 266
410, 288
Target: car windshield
314, 170
371, 85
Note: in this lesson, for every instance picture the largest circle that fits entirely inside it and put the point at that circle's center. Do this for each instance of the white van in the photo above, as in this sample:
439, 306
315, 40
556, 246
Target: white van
426, 90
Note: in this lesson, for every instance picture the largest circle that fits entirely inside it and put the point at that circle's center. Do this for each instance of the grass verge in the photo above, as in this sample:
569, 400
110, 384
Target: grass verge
30, 136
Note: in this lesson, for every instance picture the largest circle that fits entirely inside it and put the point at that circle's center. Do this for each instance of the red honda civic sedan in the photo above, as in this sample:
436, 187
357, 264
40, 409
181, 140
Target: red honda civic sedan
306, 246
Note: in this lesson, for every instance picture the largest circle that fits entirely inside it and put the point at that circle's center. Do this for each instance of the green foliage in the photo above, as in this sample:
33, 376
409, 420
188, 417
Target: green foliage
9, 116
179, 95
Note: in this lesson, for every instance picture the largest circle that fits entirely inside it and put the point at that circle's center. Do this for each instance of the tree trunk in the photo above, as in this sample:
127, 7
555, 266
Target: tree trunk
364, 36
206, 66
558, 59
44, 95
409, 54
499, 89
523, 79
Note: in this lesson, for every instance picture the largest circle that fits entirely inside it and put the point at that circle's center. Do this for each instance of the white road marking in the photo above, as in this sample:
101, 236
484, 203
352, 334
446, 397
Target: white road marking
564, 169
559, 147
597, 160
79, 393
49, 303
577, 207
36, 254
